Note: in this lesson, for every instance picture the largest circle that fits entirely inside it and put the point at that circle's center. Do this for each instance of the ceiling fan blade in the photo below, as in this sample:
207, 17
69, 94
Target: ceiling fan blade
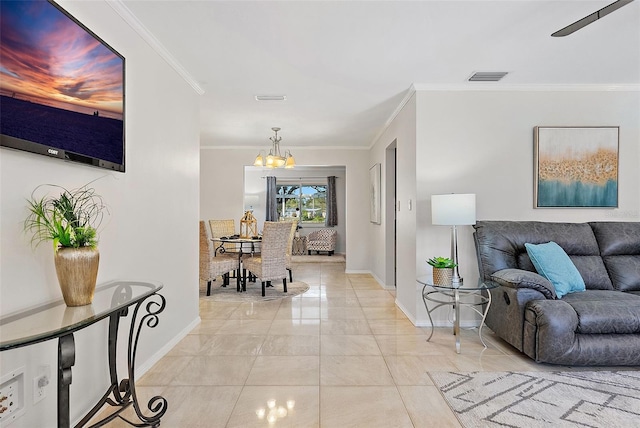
590, 18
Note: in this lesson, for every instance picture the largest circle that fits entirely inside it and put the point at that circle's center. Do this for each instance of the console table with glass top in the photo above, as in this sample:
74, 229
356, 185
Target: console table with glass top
56, 320
447, 295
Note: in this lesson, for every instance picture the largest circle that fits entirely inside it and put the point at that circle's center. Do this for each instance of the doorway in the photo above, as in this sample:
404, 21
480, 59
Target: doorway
391, 217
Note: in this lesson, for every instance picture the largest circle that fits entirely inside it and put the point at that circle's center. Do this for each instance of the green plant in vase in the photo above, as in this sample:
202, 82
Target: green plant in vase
441, 262
442, 270
69, 219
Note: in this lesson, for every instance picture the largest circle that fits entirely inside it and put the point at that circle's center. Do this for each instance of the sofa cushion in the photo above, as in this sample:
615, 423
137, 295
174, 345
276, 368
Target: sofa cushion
500, 245
553, 263
620, 249
518, 278
606, 312
617, 238
593, 272
624, 272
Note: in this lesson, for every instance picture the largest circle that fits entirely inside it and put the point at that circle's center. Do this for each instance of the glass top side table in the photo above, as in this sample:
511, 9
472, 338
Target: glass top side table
55, 320
447, 295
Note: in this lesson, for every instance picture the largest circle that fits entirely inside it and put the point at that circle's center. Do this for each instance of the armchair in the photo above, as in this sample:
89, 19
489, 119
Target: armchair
322, 240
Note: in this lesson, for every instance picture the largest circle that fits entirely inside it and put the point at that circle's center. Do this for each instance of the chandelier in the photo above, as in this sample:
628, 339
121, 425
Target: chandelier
275, 159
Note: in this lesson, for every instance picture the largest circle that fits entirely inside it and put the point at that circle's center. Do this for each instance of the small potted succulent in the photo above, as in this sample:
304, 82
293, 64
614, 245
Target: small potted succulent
69, 219
442, 270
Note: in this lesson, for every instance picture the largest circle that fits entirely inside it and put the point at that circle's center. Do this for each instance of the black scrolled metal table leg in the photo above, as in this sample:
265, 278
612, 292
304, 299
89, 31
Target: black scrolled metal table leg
120, 395
66, 360
115, 396
157, 404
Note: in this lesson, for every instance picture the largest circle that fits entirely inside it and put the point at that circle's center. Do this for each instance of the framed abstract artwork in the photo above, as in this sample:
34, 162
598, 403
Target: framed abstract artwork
576, 166
374, 194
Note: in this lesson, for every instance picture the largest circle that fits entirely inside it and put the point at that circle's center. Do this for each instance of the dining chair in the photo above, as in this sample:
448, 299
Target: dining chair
271, 264
212, 267
288, 262
223, 228
220, 229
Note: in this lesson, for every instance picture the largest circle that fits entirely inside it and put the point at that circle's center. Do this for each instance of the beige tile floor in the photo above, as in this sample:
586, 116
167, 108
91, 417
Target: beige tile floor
341, 354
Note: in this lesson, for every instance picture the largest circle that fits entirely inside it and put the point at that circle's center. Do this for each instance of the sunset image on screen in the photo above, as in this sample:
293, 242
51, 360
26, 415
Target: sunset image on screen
61, 87
47, 58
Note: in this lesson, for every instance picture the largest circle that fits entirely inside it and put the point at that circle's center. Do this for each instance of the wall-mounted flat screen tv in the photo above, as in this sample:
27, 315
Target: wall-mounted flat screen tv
61, 86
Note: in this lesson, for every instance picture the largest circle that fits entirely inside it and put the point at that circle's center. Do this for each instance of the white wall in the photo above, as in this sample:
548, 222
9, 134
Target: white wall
222, 190
151, 232
402, 132
482, 142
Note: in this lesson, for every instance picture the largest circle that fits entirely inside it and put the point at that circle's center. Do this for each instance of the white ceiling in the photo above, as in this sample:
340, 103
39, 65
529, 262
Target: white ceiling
345, 66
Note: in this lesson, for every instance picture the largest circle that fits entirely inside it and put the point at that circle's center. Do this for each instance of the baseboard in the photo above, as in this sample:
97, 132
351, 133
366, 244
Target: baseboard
146, 366
378, 280
406, 313
354, 271
445, 323
437, 323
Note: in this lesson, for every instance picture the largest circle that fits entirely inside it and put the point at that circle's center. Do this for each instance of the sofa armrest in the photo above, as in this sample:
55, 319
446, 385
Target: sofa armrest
519, 278
550, 331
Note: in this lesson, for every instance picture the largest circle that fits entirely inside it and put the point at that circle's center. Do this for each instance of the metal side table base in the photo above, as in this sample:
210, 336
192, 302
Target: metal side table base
456, 298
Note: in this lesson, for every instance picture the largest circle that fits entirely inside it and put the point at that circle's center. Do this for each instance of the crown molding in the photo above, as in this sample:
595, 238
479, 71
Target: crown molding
128, 16
496, 86
410, 92
295, 148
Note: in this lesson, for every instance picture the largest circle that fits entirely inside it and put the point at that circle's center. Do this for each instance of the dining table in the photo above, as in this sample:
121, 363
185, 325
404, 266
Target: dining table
242, 246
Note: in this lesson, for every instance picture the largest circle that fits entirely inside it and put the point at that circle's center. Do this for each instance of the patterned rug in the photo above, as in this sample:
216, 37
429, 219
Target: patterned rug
253, 293
542, 399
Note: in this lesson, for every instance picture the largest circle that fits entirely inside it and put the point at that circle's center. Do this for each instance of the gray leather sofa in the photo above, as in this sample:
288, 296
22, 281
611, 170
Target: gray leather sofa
599, 326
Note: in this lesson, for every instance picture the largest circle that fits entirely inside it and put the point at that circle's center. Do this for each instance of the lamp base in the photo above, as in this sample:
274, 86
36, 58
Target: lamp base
456, 282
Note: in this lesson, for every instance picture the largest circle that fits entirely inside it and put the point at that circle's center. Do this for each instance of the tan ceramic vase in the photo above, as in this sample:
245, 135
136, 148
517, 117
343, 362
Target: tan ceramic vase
77, 270
442, 276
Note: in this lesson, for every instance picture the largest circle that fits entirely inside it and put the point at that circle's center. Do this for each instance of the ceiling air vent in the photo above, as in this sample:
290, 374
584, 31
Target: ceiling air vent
487, 76
271, 97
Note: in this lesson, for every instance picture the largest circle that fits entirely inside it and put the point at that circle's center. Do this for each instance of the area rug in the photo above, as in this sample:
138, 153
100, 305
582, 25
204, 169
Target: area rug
542, 399
254, 292
319, 258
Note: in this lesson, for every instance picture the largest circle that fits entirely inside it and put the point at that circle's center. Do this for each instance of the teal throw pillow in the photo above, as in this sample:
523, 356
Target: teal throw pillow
551, 261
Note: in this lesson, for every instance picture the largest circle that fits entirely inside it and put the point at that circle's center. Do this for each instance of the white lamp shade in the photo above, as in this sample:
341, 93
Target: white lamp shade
251, 202
453, 209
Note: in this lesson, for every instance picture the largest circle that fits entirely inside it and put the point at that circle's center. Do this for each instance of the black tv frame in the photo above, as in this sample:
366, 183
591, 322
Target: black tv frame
59, 153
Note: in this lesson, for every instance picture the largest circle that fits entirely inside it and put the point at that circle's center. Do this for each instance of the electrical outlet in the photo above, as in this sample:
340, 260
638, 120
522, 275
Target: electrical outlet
39, 391
40, 382
11, 396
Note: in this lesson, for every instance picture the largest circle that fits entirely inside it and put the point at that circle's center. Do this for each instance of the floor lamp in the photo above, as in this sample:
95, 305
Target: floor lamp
454, 210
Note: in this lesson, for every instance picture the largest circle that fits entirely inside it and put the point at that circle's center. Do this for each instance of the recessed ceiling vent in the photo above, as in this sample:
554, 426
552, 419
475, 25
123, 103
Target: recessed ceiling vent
271, 97
487, 76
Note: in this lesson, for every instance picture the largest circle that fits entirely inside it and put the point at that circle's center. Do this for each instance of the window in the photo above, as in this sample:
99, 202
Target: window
304, 200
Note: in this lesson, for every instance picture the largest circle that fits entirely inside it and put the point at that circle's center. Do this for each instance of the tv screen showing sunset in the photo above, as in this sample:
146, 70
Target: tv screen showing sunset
60, 85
